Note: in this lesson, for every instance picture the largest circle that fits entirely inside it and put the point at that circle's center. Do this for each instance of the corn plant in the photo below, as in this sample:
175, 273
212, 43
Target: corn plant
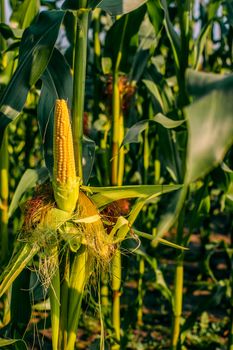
62, 223
71, 232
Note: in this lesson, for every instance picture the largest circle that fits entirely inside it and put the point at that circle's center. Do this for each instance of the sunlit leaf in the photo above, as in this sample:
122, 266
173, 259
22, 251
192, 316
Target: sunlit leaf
25, 13
166, 122
9, 32
153, 89
133, 134
8, 342
160, 240
19, 261
104, 195
30, 179
117, 7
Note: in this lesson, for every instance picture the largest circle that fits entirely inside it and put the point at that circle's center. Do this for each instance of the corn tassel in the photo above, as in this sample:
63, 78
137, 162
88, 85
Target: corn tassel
65, 182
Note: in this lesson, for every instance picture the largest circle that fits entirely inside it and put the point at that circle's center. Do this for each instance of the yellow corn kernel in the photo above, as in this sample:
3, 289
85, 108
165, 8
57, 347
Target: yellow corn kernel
64, 164
65, 182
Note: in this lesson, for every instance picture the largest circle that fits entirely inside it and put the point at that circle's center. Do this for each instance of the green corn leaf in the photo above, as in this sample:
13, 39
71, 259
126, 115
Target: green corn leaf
56, 84
9, 32
171, 156
148, 42
154, 91
171, 214
21, 311
133, 134
168, 219
229, 6
200, 44
201, 207
105, 195
210, 135
124, 34
8, 342
160, 283
38, 39
137, 208
19, 261
30, 179
160, 240
116, 7
210, 131
201, 83
156, 14
229, 192
205, 32
166, 122
25, 13
139, 64
171, 33
122, 226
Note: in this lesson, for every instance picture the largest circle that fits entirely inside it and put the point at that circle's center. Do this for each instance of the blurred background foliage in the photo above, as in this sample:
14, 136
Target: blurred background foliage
173, 61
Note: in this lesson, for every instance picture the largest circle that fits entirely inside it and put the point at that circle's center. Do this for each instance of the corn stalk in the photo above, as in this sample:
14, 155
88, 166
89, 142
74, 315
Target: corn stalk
65, 311
117, 179
183, 99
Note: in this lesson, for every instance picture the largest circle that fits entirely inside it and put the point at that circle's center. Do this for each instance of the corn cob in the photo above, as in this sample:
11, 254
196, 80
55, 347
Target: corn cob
65, 182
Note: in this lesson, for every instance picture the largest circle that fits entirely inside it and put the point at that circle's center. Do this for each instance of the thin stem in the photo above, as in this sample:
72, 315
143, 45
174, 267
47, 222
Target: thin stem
104, 292
140, 291
117, 179
178, 297
74, 286
116, 112
146, 161
116, 130
78, 278
2, 19
55, 305
80, 58
116, 285
97, 44
64, 301
4, 193
121, 157
178, 286
97, 64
